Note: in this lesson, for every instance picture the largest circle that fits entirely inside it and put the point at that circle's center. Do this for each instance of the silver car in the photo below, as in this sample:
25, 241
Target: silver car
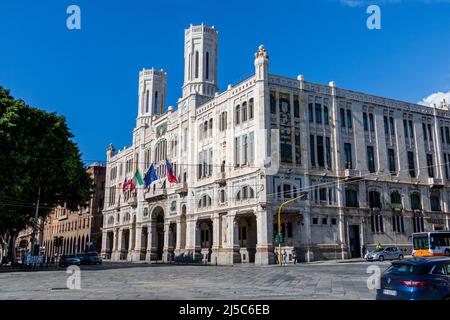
388, 253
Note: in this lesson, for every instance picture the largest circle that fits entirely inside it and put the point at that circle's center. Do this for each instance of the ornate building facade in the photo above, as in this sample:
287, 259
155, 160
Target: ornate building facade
375, 169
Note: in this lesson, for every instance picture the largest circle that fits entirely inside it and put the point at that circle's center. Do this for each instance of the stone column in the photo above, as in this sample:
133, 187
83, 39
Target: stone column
136, 254
105, 243
151, 242
231, 251
166, 253
177, 248
216, 239
264, 232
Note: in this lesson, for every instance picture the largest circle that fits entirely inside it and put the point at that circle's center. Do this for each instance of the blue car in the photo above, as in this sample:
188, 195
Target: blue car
416, 279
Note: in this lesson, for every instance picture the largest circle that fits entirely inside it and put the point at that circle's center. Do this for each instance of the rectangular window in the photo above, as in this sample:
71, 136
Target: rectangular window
424, 129
342, 113
430, 133
348, 156
323, 194
326, 119
310, 112
391, 121
386, 125
370, 159
273, 103
391, 158
411, 164
237, 151
252, 147
349, 119
405, 128
287, 191
328, 152
312, 150
411, 129
320, 149
430, 165
296, 107
365, 122
447, 134
298, 156
318, 113
446, 165
371, 123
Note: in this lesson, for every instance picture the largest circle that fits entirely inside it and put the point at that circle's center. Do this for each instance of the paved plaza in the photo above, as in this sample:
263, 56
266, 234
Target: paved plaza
320, 280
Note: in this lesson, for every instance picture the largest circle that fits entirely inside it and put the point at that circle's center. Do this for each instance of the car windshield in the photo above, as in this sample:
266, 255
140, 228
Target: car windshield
420, 243
403, 269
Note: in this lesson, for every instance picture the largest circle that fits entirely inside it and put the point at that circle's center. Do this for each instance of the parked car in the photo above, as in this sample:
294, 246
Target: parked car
93, 258
69, 260
416, 279
388, 253
82, 257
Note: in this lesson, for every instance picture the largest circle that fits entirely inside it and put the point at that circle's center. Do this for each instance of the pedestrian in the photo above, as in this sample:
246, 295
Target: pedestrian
378, 247
284, 258
363, 250
275, 254
294, 256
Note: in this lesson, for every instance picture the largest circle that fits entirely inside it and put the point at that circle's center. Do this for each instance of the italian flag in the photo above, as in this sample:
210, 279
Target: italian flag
137, 179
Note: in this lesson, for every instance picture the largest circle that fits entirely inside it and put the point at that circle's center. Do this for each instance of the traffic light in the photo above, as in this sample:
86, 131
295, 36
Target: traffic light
305, 195
279, 238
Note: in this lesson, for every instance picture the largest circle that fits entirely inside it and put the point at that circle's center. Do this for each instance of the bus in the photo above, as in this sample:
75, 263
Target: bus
429, 244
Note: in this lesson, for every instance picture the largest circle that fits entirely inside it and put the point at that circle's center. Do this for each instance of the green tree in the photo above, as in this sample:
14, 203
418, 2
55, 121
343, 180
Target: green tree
36, 151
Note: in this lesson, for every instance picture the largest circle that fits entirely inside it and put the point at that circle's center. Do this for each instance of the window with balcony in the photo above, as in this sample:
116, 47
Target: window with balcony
396, 201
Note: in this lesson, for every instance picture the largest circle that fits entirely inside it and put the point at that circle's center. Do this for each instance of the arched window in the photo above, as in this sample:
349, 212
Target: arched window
207, 66
196, 64
238, 112
155, 105
250, 109
160, 155
222, 196
244, 111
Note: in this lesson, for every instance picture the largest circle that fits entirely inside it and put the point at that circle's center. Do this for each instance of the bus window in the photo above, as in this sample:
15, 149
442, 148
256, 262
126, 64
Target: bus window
420, 243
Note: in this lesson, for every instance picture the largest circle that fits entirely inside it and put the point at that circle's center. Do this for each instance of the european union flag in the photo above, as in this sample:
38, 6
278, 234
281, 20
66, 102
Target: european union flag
150, 176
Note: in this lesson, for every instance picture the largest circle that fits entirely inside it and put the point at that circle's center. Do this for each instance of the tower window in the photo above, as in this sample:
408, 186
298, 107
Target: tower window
155, 105
207, 65
147, 101
196, 64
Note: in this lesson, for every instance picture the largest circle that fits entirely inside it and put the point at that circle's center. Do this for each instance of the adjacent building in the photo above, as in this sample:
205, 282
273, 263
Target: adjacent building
375, 169
81, 230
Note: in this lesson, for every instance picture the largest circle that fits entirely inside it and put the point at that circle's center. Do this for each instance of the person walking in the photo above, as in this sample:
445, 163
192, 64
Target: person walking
378, 247
363, 251
294, 256
284, 258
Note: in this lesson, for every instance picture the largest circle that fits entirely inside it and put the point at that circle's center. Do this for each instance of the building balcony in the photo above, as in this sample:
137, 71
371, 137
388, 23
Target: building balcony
221, 180
396, 206
352, 173
435, 182
156, 194
132, 201
182, 189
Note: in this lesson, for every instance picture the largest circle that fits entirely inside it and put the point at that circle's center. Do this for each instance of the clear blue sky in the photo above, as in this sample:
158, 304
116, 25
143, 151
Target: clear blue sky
91, 75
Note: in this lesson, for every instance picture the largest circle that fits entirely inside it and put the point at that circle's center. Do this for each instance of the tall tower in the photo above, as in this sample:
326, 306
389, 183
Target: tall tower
200, 61
152, 92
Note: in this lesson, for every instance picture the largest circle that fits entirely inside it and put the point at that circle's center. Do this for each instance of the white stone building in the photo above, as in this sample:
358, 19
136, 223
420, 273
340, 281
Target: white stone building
375, 169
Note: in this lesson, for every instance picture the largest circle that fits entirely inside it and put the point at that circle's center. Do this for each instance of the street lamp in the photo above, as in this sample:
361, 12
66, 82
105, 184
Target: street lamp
303, 194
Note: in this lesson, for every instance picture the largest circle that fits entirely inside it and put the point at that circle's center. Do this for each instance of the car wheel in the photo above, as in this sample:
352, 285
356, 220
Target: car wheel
447, 253
400, 257
381, 258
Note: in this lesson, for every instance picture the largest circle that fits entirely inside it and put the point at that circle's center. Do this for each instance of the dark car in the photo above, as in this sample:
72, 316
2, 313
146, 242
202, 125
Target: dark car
93, 258
69, 260
416, 279
82, 257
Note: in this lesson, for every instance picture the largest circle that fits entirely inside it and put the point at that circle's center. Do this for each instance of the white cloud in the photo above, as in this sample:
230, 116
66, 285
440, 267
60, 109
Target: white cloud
435, 98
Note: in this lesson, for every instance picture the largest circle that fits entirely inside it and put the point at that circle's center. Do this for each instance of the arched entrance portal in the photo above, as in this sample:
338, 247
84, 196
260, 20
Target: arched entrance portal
158, 221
